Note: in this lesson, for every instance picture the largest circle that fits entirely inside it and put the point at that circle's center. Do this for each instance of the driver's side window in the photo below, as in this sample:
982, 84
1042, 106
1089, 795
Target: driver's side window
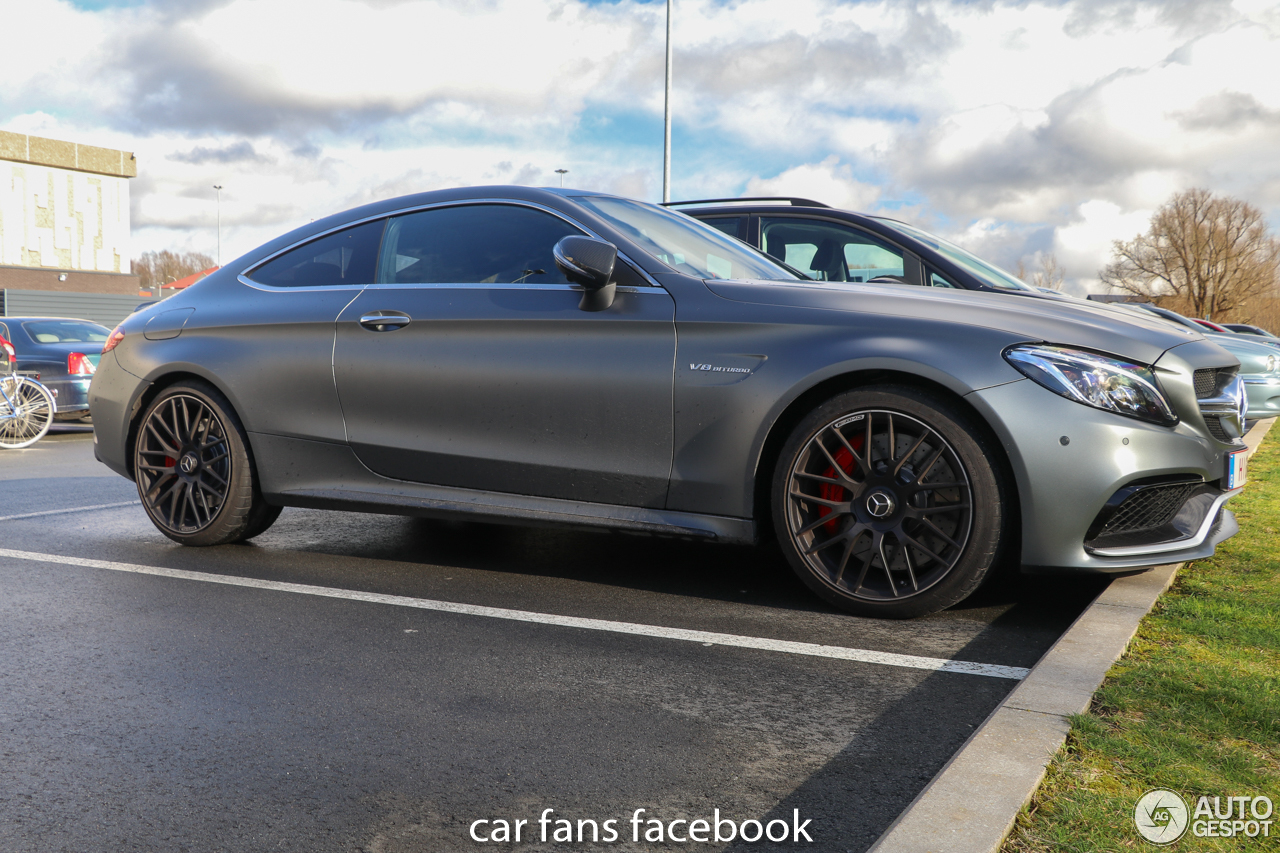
475, 243
829, 252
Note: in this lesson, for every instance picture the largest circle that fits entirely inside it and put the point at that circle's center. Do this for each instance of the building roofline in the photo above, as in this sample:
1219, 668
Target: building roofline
39, 151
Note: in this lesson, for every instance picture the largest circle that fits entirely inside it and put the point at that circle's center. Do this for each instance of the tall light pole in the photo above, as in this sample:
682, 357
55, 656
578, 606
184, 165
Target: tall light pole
218, 187
562, 173
666, 141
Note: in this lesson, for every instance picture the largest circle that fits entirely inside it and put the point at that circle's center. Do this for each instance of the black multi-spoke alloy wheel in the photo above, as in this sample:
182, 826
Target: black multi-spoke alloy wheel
194, 471
887, 502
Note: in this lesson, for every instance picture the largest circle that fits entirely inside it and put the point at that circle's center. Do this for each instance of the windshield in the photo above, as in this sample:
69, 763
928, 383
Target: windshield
972, 264
683, 243
1173, 317
66, 331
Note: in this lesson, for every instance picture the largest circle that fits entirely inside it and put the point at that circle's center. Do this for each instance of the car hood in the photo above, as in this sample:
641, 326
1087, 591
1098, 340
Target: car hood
1028, 316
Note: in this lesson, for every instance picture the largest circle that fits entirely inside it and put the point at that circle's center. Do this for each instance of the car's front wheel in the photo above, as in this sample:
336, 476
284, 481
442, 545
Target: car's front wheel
194, 471
887, 503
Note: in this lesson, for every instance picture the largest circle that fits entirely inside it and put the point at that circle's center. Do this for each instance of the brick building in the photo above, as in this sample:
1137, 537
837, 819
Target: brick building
64, 216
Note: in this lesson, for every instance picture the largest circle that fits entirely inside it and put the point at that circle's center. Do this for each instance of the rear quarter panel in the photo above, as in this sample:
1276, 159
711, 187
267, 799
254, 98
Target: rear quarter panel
269, 352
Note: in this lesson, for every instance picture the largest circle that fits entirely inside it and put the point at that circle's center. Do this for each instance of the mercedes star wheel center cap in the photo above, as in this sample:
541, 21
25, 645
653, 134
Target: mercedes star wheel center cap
879, 504
189, 463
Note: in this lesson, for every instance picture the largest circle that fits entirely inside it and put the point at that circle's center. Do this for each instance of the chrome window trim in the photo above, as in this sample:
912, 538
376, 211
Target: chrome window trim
243, 277
497, 285
266, 288
464, 285
1177, 544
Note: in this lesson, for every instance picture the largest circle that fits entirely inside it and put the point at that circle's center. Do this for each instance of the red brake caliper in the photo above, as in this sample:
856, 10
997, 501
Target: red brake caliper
830, 492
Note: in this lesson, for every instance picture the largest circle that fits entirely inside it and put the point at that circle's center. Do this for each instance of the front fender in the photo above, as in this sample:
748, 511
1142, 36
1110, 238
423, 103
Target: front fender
723, 420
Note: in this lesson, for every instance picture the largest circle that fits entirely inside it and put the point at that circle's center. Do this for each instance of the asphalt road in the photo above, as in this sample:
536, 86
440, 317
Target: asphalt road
143, 712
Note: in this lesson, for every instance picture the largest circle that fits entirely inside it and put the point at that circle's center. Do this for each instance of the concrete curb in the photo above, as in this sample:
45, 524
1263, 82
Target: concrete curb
971, 804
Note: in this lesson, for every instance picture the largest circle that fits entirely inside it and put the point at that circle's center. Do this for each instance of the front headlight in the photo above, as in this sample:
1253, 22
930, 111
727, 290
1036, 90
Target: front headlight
1106, 383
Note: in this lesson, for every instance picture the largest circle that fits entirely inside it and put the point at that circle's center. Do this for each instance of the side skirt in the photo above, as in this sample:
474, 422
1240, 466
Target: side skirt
319, 475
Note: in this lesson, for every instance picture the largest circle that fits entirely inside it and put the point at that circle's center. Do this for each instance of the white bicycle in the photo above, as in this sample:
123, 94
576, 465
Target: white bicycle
26, 411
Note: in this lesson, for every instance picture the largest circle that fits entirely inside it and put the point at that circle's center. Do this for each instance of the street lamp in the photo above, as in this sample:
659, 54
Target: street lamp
562, 173
218, 187
666, 139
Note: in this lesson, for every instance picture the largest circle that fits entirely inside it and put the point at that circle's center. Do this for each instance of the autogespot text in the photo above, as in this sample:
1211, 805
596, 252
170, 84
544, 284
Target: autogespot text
1231, 817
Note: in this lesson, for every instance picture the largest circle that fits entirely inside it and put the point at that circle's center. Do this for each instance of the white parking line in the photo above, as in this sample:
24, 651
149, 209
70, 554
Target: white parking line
68, 510
1015, 673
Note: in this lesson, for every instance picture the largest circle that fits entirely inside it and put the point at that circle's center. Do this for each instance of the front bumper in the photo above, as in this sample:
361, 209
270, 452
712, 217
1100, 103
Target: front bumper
1069, 460
1189, 521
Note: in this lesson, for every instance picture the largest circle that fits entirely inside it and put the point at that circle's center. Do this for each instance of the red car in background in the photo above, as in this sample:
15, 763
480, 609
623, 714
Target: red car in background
8, 358
1211, 326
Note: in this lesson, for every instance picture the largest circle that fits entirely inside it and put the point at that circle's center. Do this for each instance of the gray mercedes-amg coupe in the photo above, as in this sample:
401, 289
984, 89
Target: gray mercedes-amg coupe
541, 356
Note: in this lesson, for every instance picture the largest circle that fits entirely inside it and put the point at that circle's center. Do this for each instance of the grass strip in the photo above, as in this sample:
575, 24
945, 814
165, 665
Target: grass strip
1193, 706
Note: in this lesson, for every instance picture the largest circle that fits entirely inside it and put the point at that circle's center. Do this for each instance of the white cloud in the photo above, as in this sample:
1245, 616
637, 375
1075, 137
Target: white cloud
1084, 243
1016, 127
830, 182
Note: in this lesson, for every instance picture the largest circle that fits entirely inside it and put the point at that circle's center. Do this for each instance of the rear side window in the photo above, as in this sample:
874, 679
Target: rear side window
831, 252
349, 256
65, 332
734, 226
473, 244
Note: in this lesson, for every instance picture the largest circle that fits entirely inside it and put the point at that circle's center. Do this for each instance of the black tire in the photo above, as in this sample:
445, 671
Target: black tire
261, 517
194, 471
911, 527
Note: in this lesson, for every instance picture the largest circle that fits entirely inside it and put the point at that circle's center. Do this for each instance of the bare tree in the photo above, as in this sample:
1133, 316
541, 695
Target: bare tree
1047, 274
156, 269
1209, 253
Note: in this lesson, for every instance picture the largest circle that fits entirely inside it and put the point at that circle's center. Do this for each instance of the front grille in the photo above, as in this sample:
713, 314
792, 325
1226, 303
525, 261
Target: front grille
1149, 508
1206, 380
1216, 430
1212, 381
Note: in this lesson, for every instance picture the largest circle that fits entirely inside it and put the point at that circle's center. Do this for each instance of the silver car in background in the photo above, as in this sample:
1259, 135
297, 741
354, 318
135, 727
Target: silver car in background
1259, 361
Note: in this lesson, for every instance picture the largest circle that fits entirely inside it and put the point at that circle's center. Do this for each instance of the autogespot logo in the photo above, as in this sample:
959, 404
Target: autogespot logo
1161, 816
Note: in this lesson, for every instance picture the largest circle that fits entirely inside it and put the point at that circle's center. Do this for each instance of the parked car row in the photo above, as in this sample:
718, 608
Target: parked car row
546, 356
1246, 329
1259, 361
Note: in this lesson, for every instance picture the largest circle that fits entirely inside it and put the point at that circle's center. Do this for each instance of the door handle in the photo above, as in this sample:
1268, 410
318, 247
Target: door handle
384, 321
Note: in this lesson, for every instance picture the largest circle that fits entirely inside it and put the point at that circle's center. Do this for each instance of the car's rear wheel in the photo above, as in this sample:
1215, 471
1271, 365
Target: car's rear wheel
887, 502
194, 471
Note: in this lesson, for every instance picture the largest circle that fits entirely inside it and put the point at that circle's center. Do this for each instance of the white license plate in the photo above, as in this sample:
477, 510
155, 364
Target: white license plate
1237, 469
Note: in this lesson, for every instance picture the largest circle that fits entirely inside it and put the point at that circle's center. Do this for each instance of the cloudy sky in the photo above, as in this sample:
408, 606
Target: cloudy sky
1014, 128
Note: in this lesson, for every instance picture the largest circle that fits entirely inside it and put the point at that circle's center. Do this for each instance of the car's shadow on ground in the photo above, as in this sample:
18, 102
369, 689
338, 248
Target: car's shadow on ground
754, 575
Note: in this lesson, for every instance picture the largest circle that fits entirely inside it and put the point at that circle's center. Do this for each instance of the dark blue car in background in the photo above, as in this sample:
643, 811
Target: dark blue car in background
63, 351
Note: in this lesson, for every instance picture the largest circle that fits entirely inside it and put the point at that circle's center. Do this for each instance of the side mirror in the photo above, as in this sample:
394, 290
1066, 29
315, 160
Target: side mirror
588, 262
